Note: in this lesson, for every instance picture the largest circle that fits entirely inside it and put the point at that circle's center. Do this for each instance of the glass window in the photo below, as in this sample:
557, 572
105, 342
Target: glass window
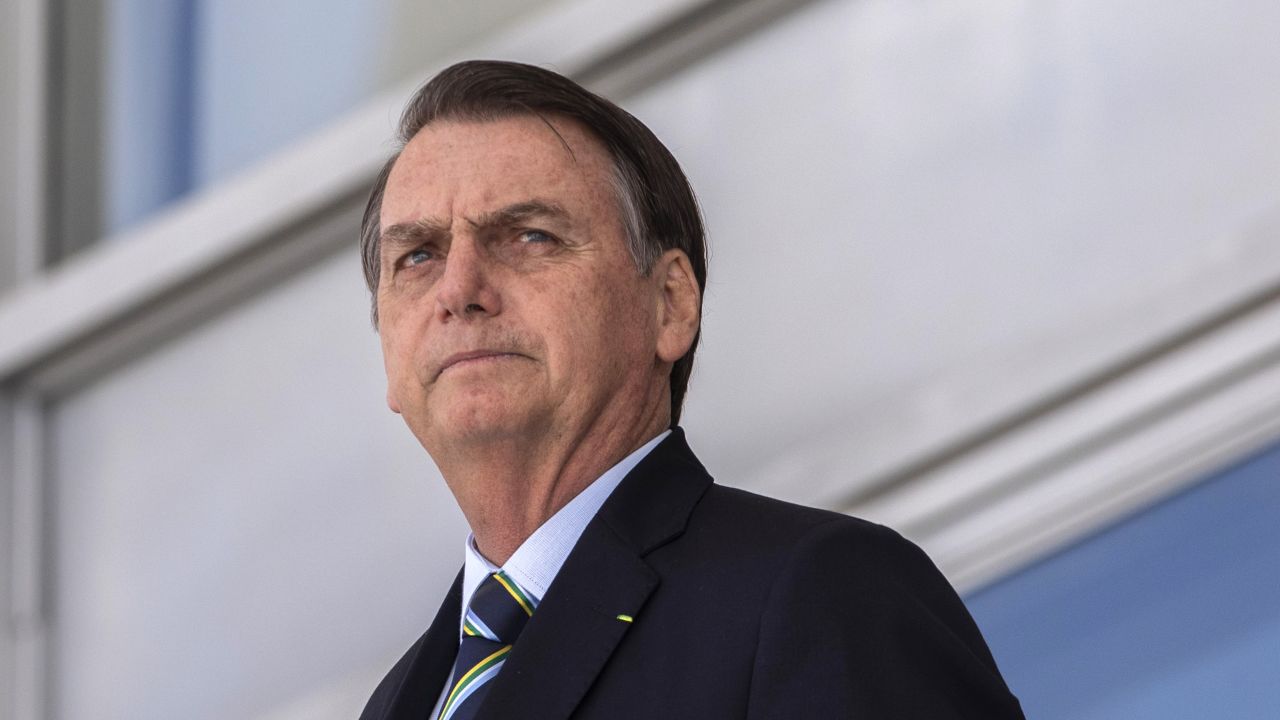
1173, 613
156, 99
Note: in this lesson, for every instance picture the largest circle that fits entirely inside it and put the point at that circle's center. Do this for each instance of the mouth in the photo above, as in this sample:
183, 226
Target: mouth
473, 357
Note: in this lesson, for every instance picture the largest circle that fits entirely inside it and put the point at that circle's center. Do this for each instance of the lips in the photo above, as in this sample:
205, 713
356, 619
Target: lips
464, 357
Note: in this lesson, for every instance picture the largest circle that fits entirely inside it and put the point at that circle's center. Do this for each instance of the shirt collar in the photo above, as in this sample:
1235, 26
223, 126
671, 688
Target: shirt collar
537, 561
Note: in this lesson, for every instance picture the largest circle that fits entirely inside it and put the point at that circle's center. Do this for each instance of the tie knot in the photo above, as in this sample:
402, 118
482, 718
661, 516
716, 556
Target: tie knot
498, 610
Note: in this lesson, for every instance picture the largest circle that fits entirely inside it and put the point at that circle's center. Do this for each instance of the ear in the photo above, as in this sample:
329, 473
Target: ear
679, 305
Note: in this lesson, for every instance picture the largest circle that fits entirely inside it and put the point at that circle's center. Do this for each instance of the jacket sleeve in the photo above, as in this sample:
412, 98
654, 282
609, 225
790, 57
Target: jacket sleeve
861, 624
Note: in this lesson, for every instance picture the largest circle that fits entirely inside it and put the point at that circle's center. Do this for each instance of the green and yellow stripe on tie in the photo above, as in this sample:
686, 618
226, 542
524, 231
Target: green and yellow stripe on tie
470, 676
523, 600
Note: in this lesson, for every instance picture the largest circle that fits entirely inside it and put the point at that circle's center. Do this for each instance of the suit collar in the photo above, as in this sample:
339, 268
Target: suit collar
652, 505
576, 627
536, 563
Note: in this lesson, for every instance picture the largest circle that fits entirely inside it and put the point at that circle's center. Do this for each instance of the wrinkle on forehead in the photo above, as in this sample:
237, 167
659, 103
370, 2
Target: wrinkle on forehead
427, 229
518, 140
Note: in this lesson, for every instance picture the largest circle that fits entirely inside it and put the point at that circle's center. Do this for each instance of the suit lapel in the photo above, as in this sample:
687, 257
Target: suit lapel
430, 662
572, 633
576, 627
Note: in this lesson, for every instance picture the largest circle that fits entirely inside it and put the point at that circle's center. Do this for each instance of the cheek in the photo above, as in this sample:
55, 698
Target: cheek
396, 357
390, 366
617, 330
591, 323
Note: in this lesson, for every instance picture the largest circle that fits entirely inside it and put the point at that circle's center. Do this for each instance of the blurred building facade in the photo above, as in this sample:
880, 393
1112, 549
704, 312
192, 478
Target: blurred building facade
1004, 276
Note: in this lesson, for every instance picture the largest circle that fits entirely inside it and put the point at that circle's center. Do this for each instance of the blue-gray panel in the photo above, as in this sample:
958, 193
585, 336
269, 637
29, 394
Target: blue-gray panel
149, 111
1172, 613
197, 90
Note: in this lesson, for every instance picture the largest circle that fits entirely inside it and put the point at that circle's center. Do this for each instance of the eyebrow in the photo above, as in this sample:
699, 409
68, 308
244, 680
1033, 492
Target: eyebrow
427, 230
520, 212
414, 233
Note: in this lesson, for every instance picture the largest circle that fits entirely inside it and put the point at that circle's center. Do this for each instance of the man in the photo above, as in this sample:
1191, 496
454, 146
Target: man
537, 262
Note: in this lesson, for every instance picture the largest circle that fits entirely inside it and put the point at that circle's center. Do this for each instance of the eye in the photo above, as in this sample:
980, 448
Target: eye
535, 236
416, 257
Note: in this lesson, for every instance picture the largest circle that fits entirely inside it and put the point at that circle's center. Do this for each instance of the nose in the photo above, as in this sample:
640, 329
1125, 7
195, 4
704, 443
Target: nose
464, 290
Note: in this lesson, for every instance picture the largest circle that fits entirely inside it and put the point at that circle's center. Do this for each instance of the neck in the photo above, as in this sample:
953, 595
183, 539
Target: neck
508, 487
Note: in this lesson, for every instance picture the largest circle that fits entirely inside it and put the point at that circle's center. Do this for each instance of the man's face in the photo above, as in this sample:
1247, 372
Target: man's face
509, 305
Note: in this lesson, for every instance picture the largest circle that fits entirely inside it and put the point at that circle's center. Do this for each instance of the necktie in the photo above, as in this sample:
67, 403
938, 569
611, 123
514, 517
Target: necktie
497, 613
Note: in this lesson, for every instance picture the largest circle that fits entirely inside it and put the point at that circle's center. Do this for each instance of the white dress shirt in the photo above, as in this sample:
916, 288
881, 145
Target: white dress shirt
538, 559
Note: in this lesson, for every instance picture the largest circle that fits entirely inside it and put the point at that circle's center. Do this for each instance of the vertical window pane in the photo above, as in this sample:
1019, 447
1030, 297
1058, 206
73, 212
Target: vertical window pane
150, 104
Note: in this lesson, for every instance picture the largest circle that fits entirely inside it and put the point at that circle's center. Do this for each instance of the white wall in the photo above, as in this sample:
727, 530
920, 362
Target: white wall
903, 196
239, 518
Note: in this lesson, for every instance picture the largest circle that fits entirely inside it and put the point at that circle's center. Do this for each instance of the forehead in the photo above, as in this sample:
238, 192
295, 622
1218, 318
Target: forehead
453, 168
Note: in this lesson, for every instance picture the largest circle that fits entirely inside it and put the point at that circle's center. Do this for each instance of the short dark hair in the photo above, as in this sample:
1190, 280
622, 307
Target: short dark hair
656, 204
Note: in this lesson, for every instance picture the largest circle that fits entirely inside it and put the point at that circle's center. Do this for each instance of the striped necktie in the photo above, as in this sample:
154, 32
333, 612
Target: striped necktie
498, 611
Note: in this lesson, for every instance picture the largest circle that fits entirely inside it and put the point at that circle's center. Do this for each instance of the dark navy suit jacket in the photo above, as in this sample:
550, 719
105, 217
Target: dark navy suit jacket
742, 607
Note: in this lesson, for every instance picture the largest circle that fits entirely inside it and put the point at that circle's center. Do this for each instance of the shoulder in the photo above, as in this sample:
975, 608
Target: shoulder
802, 550
791, 554
799, 534
856, 609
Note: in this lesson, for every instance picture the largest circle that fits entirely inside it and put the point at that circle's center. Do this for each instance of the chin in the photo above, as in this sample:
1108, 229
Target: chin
481, 421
